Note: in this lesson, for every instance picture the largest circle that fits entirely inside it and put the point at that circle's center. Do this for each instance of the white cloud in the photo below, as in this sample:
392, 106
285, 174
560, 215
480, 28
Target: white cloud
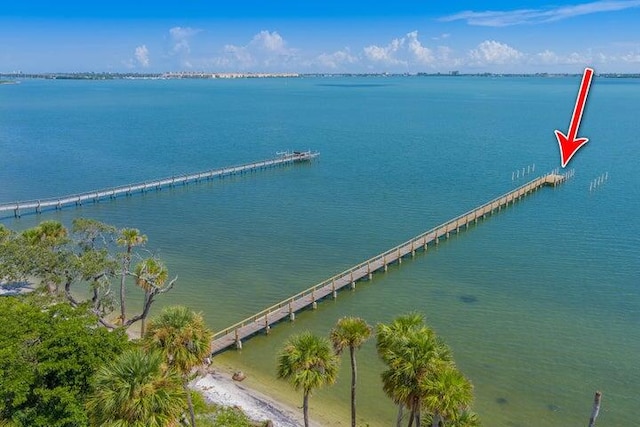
422, 54
535, 16
387, 54
441, 36
271, 42
265, 50
446, 57
406, 51
336, 60
491, 52
632, 57
180, 37
142, 55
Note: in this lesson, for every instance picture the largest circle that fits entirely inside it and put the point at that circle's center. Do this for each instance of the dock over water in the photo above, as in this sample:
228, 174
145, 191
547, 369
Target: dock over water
37, 206
287, 308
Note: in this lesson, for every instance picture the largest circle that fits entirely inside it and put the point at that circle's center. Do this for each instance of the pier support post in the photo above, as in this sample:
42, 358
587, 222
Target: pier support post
334, 294
292, 315
437, 239
238, 341
333, 289
314, 305
353, 285
267, 328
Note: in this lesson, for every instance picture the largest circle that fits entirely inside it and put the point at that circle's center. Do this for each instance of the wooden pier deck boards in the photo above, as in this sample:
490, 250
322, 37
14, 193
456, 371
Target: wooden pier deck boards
234, 334
111, 193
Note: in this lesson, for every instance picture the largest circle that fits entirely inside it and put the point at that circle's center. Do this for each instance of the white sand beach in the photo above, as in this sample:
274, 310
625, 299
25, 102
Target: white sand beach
219, 388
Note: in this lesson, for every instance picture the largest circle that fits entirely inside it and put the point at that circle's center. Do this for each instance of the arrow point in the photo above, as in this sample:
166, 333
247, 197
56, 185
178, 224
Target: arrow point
568, 147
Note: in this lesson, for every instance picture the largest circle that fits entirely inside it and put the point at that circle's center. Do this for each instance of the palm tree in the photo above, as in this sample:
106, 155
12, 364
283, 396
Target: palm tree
447, 394
307, 362
135, 390
44, 252
49, 233
129, 238
183, 340
413, 353
389, 337
350, 332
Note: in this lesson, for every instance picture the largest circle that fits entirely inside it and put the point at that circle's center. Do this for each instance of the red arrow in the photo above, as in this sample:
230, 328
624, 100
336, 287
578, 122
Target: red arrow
569, 144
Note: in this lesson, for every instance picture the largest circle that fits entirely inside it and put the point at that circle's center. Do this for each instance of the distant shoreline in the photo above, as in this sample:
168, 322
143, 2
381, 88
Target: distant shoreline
241, 75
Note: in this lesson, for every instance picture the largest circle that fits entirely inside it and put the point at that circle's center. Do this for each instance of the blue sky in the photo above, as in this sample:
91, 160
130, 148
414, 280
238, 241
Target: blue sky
320, 36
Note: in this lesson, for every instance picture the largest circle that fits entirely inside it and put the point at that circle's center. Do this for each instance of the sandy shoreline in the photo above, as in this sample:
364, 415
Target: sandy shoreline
219, 388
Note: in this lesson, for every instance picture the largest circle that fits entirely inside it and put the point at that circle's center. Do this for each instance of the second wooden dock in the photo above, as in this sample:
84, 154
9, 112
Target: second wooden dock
284, 158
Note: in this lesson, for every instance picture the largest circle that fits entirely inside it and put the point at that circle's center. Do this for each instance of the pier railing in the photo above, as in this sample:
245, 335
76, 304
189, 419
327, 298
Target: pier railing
262, 319
128, 189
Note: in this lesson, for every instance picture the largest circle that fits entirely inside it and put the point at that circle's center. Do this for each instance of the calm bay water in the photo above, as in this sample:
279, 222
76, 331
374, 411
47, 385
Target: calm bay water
540, 303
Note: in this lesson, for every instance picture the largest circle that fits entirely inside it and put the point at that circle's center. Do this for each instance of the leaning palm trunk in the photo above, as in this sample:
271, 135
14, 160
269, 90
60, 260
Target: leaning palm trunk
192, 414
123, 277
418, 413
436, 420
412, 414
400, 415
305, 408
353, 385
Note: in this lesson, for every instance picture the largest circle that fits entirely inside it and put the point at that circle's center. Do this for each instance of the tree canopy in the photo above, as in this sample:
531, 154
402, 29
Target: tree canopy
49, 352
88, 256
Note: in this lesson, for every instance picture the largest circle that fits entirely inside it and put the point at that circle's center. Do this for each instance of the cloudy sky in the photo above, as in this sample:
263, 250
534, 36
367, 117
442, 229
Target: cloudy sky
320, 36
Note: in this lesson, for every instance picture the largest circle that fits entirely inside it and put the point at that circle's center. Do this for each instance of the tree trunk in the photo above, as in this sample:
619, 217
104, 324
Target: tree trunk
436, 420
418, 412
400, 415
596, 409
123, 278
192, 414
143, 324
353, 385
412, 414
305, 408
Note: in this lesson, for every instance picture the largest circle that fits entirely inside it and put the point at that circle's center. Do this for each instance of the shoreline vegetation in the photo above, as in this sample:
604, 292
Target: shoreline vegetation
206, 75
56, 342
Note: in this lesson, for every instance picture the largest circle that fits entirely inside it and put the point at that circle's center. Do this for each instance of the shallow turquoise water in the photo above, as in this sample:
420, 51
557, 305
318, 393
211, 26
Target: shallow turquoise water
553, 280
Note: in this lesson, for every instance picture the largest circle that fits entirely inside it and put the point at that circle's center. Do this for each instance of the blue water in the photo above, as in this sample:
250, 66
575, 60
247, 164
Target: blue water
540, 303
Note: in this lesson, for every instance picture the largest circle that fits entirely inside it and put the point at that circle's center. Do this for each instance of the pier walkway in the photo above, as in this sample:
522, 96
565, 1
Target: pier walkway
283, 159
234, 334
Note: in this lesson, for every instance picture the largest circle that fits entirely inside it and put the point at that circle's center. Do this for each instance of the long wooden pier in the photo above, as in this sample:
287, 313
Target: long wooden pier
234, 334
37, 206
